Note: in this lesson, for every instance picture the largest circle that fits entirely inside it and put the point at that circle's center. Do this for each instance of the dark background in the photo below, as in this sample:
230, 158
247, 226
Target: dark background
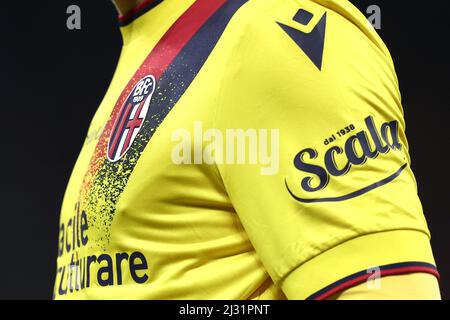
53, 79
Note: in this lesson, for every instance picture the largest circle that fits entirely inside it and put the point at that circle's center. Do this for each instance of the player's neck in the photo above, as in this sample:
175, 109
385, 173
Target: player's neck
125, 6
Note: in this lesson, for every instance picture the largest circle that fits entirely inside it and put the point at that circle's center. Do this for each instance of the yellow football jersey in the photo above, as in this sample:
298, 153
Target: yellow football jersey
246, 149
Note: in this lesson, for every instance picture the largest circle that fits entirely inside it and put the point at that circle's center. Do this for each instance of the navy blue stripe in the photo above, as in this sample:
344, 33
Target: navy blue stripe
353, 194
140, 13
185, 67
169, 89
362, 273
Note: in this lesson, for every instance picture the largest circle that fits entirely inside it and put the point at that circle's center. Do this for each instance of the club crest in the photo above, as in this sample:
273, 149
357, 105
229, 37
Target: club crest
131, 118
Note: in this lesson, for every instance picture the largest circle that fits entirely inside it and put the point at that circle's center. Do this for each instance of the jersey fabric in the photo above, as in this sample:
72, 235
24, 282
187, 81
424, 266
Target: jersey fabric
156, 208
421, 286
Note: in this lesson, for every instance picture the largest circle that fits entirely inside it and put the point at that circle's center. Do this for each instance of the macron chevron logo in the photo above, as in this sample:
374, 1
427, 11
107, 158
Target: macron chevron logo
311, 43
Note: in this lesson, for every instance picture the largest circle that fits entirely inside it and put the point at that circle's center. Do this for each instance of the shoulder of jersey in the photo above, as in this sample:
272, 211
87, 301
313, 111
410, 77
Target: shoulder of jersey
272, 26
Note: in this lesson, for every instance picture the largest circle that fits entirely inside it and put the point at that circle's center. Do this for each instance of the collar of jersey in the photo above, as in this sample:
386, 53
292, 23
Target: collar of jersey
138, 11
153, 21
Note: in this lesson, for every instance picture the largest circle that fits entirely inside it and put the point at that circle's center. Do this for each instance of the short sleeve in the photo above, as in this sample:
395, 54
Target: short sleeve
316, 161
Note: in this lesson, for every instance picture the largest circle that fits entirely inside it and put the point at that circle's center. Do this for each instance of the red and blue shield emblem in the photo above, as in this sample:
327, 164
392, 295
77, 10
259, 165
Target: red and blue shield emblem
131, 118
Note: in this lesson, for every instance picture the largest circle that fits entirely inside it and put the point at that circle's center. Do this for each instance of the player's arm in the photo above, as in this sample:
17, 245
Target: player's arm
332, 202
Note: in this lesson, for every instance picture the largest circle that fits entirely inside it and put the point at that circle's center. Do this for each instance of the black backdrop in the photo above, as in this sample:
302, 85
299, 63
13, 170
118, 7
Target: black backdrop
52, 80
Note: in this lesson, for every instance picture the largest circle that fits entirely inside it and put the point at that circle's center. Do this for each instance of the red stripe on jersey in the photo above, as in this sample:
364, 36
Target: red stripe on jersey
384, 273
162, 55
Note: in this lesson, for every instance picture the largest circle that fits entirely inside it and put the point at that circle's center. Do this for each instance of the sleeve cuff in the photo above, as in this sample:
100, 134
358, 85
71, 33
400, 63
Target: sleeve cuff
353, 262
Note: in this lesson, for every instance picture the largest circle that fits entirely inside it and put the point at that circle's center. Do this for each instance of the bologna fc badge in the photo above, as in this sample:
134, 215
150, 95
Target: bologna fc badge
131, 118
